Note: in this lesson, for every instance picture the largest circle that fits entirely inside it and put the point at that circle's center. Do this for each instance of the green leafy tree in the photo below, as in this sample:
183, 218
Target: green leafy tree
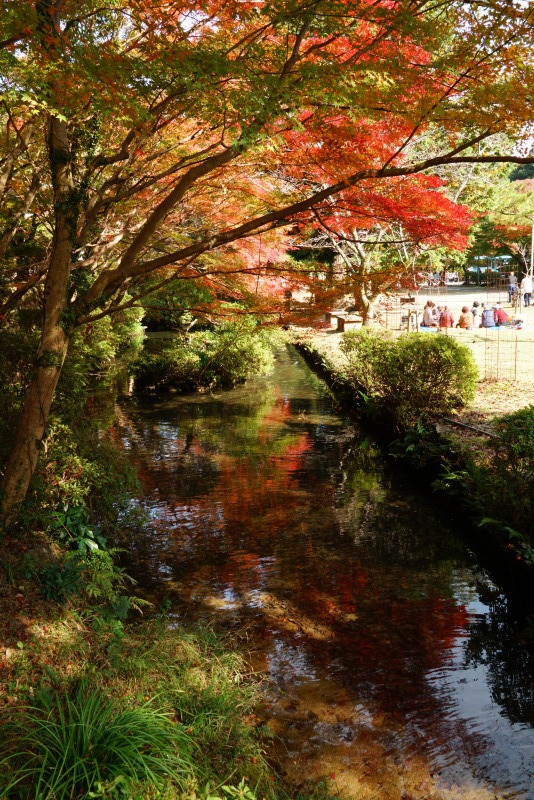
157, 139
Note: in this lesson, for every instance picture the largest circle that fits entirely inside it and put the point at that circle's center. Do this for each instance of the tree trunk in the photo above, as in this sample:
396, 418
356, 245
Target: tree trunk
364, 304
32, 424
55, 330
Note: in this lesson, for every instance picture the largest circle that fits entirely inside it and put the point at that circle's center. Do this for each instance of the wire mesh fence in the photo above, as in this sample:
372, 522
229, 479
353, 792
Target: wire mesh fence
502, 353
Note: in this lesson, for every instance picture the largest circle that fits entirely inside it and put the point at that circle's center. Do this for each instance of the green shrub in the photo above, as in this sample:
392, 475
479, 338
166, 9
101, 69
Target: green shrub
86, 568
516, 443
222, 358
77, 744
169, 365
413, 377
503, 483
78, 466
236, 353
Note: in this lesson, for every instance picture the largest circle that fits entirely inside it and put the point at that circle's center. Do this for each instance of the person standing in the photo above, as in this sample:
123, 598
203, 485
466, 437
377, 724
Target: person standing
512, 286
526, 290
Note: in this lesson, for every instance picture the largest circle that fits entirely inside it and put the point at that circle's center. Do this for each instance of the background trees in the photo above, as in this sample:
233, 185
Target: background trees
148, 139
380, 237
506, 219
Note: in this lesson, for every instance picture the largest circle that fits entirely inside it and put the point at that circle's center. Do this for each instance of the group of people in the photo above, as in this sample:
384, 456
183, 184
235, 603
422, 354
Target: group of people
525, 288
488, 316
439, 316
479, 316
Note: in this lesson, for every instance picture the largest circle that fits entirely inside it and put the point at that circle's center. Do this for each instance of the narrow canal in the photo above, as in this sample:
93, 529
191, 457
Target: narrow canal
394, 664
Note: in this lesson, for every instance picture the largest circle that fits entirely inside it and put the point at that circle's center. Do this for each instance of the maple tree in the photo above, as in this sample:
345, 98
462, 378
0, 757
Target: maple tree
381, 236
149, 138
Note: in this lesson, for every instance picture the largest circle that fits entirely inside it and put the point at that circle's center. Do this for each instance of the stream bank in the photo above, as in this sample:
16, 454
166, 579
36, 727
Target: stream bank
395, 667
458, 456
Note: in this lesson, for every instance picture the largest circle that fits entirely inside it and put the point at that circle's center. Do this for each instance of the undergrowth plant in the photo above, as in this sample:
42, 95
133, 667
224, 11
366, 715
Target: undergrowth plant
84, 566
77, 464
409, 378
132, 712
82, 743
203, 678
500, 480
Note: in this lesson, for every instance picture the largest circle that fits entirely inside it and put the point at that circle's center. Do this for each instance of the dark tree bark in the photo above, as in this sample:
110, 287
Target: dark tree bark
55, 332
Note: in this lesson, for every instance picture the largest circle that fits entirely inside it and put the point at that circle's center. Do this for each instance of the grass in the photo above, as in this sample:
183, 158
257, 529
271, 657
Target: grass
65, 666
81, 743
205, 681
95, 708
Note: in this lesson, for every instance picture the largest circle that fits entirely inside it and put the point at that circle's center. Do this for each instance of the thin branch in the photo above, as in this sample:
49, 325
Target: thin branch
19, 293
133, 300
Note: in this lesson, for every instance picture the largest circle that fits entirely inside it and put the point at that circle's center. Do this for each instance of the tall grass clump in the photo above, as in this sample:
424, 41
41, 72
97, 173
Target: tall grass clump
409, 379
204, 679
84, 744
109, 710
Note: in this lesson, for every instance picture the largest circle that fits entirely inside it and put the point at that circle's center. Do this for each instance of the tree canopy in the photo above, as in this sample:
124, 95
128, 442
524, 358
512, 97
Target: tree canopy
162, 138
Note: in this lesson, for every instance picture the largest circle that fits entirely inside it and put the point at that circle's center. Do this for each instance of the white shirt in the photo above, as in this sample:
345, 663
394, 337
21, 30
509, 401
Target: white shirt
428, 317
526, 285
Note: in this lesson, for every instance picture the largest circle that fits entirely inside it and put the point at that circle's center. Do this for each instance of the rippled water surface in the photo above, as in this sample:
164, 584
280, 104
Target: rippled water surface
393, 659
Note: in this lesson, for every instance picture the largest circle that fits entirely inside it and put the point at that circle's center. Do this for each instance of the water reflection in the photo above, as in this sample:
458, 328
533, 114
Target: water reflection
389, 667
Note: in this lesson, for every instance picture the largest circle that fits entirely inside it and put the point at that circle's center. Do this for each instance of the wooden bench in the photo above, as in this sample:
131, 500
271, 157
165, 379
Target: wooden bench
343, 321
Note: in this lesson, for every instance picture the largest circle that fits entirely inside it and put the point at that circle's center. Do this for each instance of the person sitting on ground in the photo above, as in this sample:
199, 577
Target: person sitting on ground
428, 316
446, 320
437, 313
501, 317
488, 318
475, 313
465, 320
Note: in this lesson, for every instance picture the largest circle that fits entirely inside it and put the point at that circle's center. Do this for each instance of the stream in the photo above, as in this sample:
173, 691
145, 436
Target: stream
395, 666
